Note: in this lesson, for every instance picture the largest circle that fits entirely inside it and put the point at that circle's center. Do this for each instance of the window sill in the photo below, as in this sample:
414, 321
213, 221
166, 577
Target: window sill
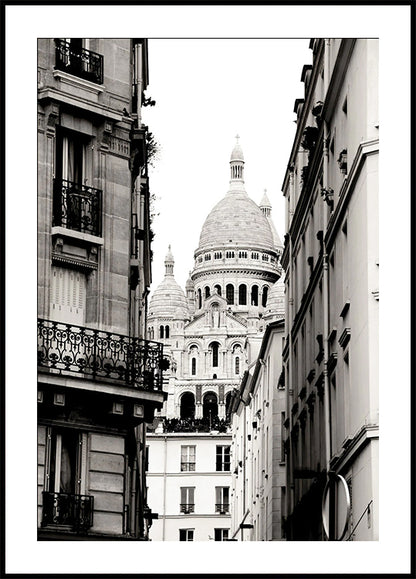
71, 233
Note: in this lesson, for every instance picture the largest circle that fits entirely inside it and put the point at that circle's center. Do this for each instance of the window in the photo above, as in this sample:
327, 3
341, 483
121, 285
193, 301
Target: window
218, 288
218, 255
237, 365
193, 366
188, 458
221, 534
255, 295
223, 458
207, 257
242, 254
166, 331
187, 505
161, 332
265, 257
68, 296
229, 290
187, 405
186, 534
207, 292
222, 500
254, 255
264, 296
199, 299
242, 295
229, 254
214, 348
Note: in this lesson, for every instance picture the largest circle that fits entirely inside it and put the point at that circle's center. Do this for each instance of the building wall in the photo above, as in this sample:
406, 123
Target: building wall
331, 263
259, 475
165, 480
92, 180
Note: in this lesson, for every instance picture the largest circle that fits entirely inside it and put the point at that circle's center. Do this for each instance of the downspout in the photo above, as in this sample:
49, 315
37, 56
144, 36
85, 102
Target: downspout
138, 73
290, 470
164, 488
325, 281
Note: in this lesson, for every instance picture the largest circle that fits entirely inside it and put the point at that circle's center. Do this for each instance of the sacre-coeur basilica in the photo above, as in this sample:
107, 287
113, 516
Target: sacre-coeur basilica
210, 331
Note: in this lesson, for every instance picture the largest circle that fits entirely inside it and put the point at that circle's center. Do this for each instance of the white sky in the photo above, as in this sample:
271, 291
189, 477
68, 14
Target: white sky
206, 92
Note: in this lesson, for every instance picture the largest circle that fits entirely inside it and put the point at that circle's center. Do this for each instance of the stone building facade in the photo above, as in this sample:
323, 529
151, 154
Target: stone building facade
99, 379
208, 332
331, 263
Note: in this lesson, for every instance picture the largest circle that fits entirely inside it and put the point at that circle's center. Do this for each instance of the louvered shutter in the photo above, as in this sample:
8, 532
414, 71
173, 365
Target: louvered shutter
68, 294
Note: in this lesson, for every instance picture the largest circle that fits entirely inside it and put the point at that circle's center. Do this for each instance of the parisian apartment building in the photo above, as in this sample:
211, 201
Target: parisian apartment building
331, 261
99, 378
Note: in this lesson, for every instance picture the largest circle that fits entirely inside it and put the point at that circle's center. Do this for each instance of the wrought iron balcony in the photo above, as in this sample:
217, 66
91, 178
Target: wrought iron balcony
77, 207
79, 61
187, 466
187, 508
222, 508
66, 348
75, 511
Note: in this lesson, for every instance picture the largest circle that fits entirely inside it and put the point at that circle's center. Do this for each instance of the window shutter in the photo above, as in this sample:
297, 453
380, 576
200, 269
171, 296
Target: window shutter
68, 296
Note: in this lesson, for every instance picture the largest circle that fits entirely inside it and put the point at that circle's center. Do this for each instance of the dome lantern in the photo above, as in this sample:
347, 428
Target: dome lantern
237, 165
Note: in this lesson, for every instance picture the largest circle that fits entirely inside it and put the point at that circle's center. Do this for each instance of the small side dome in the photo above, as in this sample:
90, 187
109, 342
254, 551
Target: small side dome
276, 299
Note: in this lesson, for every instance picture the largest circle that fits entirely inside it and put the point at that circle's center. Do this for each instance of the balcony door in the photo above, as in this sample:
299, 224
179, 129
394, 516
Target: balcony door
64, 464
73, 172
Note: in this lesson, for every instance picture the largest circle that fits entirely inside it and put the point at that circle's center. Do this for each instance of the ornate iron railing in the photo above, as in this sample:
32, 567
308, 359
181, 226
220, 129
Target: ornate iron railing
187, 508
66, 348
75, 511
196, 424
77, 207
187, 466
79, 61
222, 508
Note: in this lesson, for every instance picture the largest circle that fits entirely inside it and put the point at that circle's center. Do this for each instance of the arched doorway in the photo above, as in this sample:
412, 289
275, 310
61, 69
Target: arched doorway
188, 405
210, 406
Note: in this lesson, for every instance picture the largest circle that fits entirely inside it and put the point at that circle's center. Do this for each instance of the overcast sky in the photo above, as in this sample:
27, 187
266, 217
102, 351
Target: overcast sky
206, 92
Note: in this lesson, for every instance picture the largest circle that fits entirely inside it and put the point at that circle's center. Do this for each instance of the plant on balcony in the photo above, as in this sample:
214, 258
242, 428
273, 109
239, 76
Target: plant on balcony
309, 138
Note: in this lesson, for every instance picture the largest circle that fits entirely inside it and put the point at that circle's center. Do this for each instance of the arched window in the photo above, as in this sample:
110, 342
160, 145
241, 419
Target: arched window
228, 404
161, 332
229, 290
199, 299
242, 295
237, 365
214, 348
193, 366
210, 406
264, 296
255, 295
218, 288
207, 292
166, 331
188, 405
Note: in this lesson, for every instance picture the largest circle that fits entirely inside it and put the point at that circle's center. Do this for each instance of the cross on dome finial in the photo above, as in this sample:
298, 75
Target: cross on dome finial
237, 137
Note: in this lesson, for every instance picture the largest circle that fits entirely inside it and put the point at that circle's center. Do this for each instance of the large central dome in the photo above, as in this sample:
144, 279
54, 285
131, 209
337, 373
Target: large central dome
236, 220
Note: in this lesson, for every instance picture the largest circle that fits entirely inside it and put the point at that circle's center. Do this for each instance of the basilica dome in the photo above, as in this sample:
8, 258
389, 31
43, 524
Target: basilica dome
168, 297
236, 220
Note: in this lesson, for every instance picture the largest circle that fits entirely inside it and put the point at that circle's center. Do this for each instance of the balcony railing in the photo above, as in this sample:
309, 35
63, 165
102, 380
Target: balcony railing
77, 207
65, 348
75, 511
187, 508
79, 61
196, 425
222, 508
187, 466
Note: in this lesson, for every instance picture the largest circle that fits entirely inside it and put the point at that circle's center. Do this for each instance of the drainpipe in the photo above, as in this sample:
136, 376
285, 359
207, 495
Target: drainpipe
290, 471
139, 81
164, 488
325, 281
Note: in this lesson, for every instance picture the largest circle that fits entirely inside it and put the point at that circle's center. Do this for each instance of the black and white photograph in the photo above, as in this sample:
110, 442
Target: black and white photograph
208, 229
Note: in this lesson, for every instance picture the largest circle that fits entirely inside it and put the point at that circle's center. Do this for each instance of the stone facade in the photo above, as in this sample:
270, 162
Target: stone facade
99, 380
